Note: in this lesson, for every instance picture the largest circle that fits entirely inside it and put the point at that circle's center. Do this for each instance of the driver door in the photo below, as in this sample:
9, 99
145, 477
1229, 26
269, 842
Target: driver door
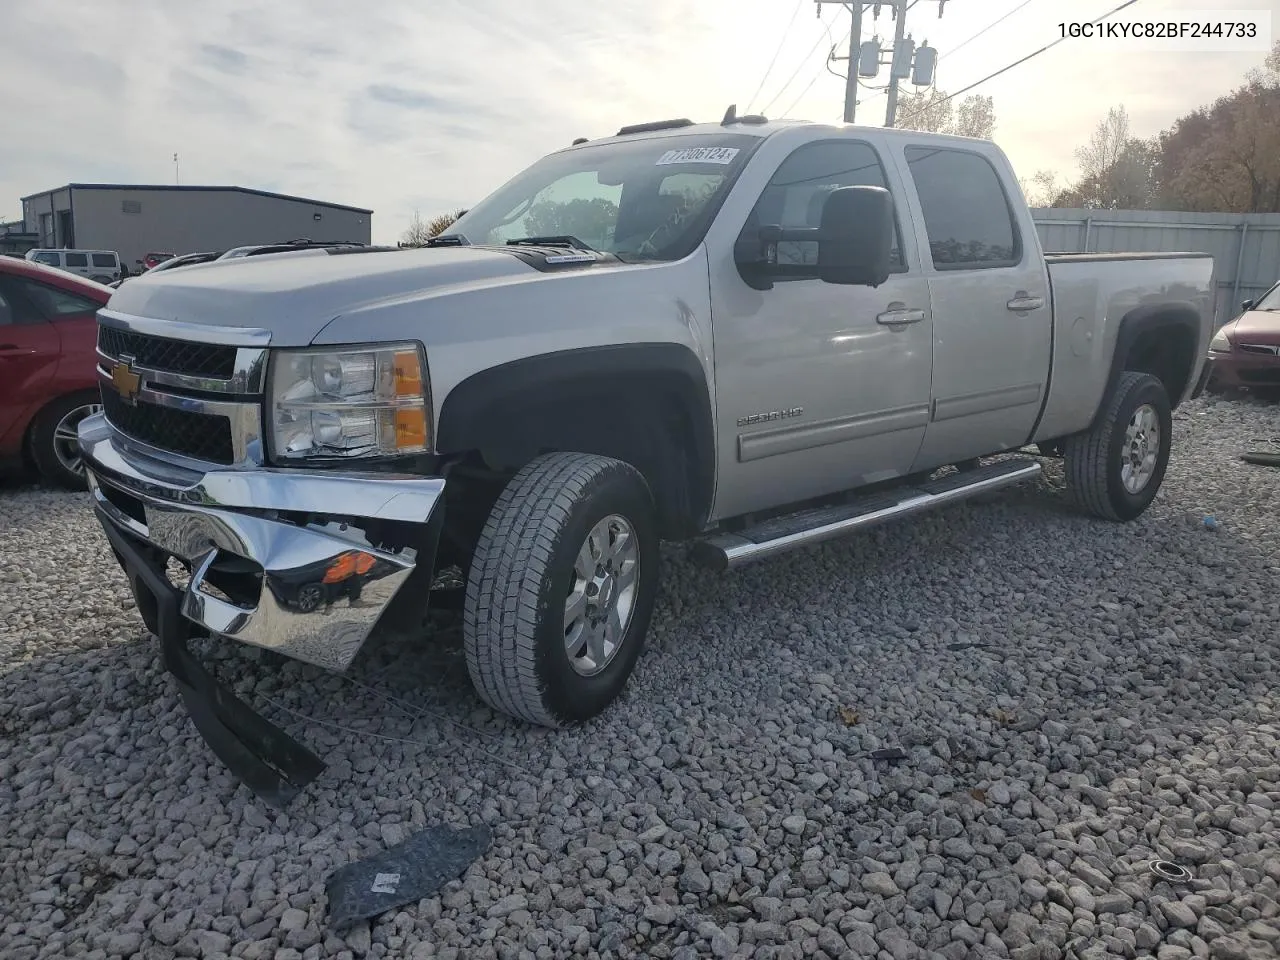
819, 387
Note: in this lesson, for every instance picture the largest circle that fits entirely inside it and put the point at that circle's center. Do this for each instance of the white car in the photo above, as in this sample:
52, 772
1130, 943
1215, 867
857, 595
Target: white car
101, 266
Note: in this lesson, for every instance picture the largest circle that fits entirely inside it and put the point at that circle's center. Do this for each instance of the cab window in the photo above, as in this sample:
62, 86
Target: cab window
796, 194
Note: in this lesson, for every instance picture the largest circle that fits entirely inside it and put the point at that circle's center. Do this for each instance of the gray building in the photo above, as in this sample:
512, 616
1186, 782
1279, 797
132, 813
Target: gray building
137, 219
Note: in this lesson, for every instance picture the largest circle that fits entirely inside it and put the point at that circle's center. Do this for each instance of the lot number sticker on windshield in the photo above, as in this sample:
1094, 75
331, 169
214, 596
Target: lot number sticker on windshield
719, 155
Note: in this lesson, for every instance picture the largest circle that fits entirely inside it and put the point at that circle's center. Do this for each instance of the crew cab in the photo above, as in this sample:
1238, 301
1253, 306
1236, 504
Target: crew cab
751, 336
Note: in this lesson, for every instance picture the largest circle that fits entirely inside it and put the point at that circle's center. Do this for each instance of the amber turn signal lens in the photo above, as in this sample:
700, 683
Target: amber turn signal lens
347, 565
408, 374
411, 428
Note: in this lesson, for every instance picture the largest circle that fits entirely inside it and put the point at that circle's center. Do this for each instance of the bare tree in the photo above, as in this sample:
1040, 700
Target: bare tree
420, 231
417, 233
933, 111
1042, 189
1117, 170
438, 225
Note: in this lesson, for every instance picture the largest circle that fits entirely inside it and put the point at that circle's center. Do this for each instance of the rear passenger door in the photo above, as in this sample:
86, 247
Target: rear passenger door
992, 321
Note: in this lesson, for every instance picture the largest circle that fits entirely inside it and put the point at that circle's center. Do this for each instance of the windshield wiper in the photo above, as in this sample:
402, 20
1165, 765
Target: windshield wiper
562, 240
448, 240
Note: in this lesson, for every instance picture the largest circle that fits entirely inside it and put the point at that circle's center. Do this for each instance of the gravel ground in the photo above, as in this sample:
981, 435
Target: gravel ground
1075, 699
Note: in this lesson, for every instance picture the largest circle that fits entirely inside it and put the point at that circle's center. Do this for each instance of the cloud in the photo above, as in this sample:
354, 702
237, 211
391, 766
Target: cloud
224, 58
405, 104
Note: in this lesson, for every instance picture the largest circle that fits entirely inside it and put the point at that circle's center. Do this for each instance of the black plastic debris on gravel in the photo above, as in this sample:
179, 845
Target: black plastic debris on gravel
402, 874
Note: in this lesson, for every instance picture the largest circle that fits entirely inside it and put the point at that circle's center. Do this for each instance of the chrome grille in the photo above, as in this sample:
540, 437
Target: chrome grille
162, 353
200, 436
1265, 349
187, 395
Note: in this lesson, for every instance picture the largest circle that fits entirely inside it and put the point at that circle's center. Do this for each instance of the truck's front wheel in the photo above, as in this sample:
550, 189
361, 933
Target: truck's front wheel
1115, 469
561, 589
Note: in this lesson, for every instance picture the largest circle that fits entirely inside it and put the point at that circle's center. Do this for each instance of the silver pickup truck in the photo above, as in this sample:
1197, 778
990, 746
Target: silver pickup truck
749, 335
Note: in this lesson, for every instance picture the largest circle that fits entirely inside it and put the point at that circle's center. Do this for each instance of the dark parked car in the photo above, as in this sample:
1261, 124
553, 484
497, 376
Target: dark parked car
48, 379
1245, 353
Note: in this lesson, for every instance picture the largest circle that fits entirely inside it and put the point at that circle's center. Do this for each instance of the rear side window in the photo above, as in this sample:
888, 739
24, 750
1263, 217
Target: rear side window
966, 212
15, 308
104, 260
77, 259
797, 192
53, 302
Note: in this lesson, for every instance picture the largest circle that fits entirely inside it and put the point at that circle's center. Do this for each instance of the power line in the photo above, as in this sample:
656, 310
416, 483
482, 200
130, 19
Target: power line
1017, 63
986, 28
785, 33
818, 74
796, 72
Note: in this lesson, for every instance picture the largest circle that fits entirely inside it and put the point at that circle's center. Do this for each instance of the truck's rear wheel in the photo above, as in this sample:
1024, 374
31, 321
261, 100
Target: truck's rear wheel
561, 589
1115, 469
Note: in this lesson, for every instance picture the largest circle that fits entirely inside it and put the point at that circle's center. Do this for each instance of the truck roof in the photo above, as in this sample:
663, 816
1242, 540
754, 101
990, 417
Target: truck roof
754, 126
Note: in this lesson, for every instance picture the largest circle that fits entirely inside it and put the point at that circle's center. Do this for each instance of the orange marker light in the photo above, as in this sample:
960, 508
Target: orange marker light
407, 372
411, 428
348, 565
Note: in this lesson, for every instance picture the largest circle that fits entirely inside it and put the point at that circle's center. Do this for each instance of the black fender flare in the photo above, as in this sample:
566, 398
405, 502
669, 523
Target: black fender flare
491, 407
1175, 314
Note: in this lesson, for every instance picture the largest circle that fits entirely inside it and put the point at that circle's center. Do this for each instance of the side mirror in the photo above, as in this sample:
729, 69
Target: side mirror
1246, 305
854, 243
855, 240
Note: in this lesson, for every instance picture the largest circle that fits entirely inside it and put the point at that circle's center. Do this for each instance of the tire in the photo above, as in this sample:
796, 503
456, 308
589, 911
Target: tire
529, 557
54, 451
1097, 481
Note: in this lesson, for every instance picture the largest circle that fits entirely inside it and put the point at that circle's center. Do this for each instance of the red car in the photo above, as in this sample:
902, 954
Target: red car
1245, 352
154, 259
48, 378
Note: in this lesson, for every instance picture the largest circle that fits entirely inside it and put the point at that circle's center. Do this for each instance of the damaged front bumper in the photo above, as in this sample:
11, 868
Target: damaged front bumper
304, 563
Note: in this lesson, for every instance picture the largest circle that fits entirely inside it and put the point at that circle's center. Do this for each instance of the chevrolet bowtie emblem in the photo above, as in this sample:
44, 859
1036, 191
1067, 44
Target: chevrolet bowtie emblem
126, 382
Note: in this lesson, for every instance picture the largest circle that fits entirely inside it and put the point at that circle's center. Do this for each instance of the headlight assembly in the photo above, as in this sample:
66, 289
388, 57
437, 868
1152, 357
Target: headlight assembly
347, 404
1220, 343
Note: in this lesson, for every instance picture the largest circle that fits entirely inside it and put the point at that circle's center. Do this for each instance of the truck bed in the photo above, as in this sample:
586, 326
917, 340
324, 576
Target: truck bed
1091, 293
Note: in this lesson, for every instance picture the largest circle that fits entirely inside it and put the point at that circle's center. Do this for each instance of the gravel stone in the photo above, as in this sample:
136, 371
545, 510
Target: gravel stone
880, 884
1178, 914
1123, 709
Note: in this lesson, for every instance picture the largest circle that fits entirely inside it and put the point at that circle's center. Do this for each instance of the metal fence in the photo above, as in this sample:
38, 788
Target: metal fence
1245, 246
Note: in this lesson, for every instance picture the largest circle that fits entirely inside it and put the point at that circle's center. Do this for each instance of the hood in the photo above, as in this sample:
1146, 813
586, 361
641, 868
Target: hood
1256, 326
295, 295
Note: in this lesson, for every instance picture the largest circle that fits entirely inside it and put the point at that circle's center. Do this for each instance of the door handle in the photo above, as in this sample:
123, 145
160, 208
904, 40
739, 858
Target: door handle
899, 315
1023, 302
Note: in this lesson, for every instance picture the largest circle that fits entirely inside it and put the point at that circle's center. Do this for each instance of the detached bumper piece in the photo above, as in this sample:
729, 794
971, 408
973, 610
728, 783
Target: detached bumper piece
303, 563
265, 758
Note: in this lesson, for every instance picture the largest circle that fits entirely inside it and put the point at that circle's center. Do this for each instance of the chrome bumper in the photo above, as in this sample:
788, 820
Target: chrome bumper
309, 582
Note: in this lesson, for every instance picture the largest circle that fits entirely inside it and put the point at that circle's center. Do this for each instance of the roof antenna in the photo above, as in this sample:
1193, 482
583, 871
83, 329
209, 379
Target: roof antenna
730, 115
579, 140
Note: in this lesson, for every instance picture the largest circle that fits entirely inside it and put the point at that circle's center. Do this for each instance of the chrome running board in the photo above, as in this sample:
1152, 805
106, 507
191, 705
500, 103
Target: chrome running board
723, 551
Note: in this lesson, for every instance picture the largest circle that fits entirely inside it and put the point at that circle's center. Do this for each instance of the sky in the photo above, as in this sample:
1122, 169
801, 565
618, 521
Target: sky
429, 105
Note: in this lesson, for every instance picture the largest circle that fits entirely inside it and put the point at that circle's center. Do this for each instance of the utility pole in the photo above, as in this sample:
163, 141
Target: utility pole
175, 170
851, 82
865, 60
891, 111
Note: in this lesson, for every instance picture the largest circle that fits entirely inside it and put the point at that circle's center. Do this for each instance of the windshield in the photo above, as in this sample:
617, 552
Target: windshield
1269, 300
649, 199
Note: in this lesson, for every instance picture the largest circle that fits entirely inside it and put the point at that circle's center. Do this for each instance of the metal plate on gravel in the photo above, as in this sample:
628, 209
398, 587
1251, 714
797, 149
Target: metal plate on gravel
402, 874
